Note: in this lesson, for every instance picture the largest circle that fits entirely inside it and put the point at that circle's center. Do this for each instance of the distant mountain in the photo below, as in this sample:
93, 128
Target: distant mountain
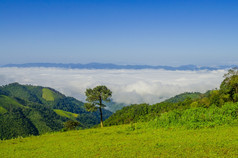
114, 66
33, 110
113, 106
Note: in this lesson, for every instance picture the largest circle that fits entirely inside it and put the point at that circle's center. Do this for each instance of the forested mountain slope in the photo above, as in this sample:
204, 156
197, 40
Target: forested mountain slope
183, 96
32, 110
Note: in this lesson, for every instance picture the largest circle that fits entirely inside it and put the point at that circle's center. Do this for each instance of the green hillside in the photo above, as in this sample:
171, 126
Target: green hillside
70, 115
138, 140
36, 94
9, 103
53, 99
47, 97
16, 124
18, 118
30, 110
183, 96
146, 112
47, 94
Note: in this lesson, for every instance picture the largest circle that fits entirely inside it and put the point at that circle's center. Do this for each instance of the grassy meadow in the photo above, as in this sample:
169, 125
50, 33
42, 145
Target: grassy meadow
136, 140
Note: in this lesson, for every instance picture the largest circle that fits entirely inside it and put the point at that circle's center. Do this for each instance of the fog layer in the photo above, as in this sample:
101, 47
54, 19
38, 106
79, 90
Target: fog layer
128, 86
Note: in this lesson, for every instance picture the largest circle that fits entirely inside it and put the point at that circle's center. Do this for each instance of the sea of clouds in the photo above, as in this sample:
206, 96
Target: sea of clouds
128, 86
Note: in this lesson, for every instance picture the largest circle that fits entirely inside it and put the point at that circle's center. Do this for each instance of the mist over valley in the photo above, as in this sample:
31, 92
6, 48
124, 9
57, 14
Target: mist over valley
128, 86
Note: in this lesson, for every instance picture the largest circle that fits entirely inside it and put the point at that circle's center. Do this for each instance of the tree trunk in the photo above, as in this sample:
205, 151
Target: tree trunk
100, 108
101, 117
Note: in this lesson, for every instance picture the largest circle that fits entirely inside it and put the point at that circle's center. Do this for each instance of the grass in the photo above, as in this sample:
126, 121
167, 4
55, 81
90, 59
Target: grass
127, 141
47, 94
69, 115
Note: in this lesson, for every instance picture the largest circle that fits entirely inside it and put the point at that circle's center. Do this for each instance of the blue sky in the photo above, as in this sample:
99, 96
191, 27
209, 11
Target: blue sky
168, 32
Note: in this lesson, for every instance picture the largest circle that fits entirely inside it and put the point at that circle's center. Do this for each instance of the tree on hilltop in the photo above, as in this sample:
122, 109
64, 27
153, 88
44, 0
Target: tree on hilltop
95, 98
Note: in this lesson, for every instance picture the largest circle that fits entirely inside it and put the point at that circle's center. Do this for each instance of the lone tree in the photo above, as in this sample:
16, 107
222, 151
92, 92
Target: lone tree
95, 98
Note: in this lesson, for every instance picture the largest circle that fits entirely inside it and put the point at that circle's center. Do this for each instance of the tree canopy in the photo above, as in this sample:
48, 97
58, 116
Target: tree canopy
95, 98
229, 86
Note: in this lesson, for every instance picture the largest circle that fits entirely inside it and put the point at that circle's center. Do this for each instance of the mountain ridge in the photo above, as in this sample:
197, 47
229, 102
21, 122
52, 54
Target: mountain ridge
116, 66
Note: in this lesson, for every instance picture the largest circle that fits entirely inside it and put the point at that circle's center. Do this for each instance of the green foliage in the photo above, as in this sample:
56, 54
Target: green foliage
47, 94
90, 119
98, 93
87, 119
69, 115
144, 112
9, 103
23, 92
32, 93
71, 125
229, 86
129, 114
15, 124
169, 112
38, 121
183, 96
90, 107
173, 109
95, 98
70, 104
2, 110
199, 117
45, 119
35, 117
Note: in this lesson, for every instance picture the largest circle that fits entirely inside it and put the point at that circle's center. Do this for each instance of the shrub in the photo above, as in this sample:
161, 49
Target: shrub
198, 117
70, 125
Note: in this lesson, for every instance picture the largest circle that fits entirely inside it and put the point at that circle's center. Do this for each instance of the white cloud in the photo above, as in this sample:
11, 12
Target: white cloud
128, 86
